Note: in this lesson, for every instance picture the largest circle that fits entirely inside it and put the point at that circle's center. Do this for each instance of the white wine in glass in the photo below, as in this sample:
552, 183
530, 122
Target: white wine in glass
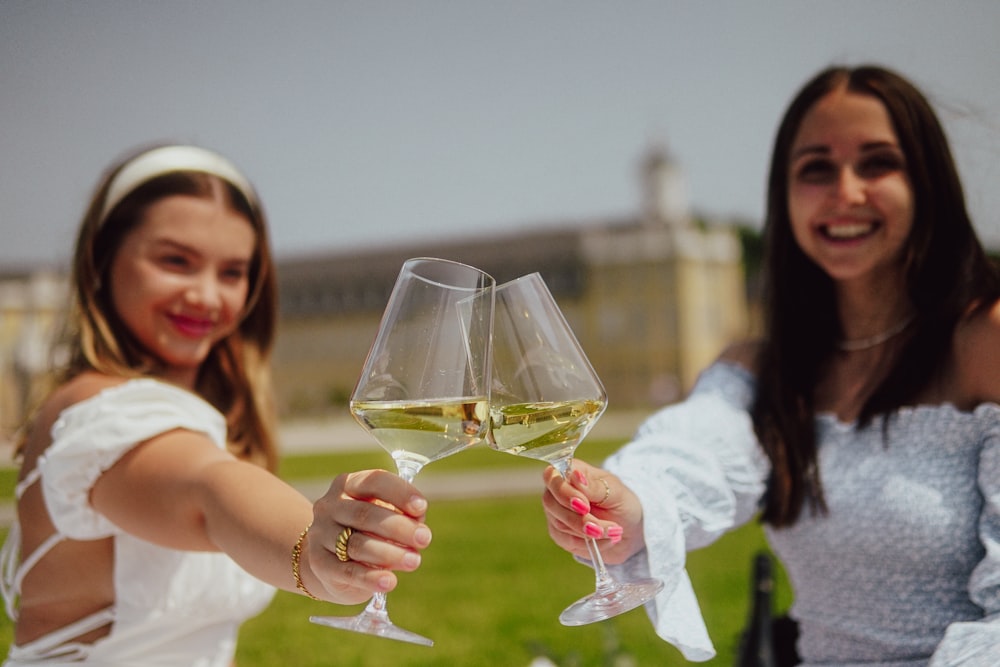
545, 398
424, 390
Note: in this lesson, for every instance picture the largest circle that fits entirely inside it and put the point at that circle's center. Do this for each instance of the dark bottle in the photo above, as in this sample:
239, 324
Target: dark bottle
757, 642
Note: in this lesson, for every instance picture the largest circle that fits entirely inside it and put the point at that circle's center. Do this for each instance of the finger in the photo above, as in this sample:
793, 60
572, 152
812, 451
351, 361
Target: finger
560, 487
571, 491
347, 582
369, 578
564, 518
367, 502
599, 487
575, 512
552, 478
566, 536
379, 554
607, 491
386, 487
581, 475
383, 523
569, 530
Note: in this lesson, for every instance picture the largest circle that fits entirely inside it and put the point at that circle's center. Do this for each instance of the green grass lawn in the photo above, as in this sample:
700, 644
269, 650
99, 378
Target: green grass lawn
490, 590
489, 593
492, 585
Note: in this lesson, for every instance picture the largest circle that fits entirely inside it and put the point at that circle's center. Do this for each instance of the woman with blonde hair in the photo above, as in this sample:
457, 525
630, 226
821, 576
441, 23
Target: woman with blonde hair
149, 521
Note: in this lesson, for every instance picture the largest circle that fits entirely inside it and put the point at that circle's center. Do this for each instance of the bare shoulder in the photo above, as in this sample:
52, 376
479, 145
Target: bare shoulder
79, 389
74, 391
743, 353
977, 353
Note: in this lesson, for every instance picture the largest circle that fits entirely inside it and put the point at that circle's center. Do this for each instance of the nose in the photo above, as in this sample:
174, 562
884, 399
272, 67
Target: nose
204, 291
851, 188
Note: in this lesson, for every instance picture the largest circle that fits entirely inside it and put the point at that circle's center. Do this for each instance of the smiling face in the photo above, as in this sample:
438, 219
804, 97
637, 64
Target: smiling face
849, 197
180, 279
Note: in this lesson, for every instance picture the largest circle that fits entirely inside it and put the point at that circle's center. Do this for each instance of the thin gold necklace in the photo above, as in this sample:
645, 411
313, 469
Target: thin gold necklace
858, 344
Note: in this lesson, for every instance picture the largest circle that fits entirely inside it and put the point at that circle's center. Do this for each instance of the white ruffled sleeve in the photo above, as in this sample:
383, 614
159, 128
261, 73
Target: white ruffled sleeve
977, 643
90, 436
699, 471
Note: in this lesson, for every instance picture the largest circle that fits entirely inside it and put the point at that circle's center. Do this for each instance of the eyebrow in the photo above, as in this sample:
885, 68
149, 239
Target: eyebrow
180, 246
823, 149
169, 243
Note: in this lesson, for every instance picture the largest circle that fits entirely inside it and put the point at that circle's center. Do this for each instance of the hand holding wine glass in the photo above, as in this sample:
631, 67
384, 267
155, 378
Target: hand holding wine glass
545, 398
423, 392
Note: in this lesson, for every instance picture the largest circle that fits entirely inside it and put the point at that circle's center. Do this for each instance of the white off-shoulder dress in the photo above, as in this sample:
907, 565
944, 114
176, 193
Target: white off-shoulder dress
172, 608
904, 570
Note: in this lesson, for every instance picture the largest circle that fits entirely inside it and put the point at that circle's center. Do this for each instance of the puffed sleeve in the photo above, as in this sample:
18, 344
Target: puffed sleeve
977, 643
698, 471
90, 436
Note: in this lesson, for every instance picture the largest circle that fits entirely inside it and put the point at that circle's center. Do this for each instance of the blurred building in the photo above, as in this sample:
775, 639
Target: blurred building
31, 306
653, 298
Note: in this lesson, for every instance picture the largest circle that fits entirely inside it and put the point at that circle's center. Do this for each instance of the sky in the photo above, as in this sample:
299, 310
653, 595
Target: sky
366, 123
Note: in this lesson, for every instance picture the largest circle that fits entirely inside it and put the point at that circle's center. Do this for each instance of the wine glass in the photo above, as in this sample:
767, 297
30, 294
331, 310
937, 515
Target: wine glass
545, 398
424, 390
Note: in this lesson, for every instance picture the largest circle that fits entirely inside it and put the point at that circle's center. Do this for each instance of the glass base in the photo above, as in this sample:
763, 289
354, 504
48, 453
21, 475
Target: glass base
372, 624
609, 601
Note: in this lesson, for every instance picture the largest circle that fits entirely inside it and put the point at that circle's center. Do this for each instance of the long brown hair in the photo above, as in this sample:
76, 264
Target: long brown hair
235, 377
947, 272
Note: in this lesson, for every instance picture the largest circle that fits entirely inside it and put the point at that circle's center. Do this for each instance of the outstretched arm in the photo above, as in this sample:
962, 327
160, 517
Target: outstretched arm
693, 471
180, 491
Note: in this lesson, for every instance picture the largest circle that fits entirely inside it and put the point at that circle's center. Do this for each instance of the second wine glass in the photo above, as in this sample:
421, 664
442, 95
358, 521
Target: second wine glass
424, 390
545, 398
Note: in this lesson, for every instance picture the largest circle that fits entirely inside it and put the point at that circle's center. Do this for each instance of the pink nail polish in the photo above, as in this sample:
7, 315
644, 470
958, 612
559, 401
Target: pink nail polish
581, 479
616, 539
593, 530
581, 507
616, 532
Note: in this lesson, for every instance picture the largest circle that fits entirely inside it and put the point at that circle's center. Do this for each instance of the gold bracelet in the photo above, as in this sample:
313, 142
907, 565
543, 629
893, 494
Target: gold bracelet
296, 555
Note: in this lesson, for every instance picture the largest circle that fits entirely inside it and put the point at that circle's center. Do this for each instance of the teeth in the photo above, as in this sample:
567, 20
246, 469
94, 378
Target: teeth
848, 231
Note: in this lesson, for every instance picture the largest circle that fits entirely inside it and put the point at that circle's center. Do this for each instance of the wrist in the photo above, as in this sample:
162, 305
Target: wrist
297, 557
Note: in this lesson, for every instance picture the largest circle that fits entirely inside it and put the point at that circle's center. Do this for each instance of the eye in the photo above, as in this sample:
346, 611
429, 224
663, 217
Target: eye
815, 171
880, 164
174, 261
234, 274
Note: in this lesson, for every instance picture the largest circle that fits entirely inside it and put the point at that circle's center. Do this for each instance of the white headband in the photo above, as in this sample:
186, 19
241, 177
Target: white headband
160, 161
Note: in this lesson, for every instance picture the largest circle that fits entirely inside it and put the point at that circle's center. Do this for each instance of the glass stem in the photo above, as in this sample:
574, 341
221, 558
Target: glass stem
376, 607
604, 581
407, 469
601, 575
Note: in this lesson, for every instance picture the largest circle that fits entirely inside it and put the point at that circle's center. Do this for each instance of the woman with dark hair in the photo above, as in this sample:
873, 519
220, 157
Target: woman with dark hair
863, 428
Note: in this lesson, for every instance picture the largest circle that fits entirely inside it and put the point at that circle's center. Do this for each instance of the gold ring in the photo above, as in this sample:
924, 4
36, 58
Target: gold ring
607, 491
342, 539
